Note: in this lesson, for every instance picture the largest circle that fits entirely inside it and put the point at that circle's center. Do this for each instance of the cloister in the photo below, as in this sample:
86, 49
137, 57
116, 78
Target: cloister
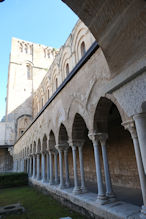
86, 144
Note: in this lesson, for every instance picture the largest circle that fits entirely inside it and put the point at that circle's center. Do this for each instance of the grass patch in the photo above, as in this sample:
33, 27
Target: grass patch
36, 204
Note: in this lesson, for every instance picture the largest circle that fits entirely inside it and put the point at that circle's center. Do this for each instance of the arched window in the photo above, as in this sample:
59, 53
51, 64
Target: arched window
26, 48
83, 49
48, 94
21, 47
67, 69
30, 49
56, 82
29, 72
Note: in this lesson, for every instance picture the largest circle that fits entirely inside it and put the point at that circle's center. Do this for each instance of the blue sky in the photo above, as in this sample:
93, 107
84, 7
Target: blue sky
47, 22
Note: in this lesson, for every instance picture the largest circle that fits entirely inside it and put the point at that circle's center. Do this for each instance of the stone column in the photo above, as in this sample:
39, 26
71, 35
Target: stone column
140, 123
51, 168
33, 166
101, 198
67, 181
43, 167
109, 191
30, 166
48, 167
80, 148
76, 189
27, 165
56, 167
59, 147
130, 126
38, 166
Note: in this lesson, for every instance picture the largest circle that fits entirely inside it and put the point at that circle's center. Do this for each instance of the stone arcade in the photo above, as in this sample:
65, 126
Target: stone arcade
86, 142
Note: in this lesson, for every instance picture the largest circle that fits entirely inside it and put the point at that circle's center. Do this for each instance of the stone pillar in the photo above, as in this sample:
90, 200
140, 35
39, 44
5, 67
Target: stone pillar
33, 166
30, 166
101, 198
60, 150
51, 168
27, 165
80, 148
56, 167
140, 123
76, 189
109, 191
38, 166
67, 181
48, 167
43, 167
130, 126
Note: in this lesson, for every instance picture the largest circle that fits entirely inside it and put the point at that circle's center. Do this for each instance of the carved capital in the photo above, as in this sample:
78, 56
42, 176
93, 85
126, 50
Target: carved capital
102, 137
93, 137
76, 143
62, 147
130, 126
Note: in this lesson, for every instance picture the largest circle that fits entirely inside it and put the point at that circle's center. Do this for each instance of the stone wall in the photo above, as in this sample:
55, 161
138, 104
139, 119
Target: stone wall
6, 161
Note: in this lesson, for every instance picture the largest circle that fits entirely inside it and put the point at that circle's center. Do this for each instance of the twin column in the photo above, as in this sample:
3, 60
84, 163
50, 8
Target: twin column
63, 150
102, 138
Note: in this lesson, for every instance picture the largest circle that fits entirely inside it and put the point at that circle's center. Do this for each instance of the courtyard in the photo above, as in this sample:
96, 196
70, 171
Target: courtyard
36, 204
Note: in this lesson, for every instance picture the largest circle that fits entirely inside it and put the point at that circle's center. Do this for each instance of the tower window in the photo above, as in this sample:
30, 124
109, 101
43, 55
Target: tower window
67, 69
29, 72
48, 94
83, 49
26, 48
56, 83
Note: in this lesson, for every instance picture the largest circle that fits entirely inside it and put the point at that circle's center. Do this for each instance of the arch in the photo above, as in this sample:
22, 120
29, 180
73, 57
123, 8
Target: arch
39, 146
31, 149
65, 58
83, 48
102, 112
44, 143
34, 147
63, 136
52, 141
67, 69
77, 106
79, 36
79, 127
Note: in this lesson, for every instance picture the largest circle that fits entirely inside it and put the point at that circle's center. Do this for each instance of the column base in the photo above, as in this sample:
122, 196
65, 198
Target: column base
56, 182
111, 196
38, 178
143, 212
76, 191
51, 183
84, 190
61, 186
67, 185
102, 200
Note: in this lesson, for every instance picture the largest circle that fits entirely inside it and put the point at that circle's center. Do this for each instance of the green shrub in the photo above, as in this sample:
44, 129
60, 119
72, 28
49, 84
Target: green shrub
13, 179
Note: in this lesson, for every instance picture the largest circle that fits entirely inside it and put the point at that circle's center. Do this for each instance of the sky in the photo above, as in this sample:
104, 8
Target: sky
47, 22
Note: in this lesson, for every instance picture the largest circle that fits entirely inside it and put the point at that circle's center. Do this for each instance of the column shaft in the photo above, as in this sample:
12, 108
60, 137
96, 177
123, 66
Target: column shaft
67, 181
51, 168
61, 170
48, 167
76, 189
38, 166
109, 191
101, 196
56, 167
43, 167
33, 166
83, 188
